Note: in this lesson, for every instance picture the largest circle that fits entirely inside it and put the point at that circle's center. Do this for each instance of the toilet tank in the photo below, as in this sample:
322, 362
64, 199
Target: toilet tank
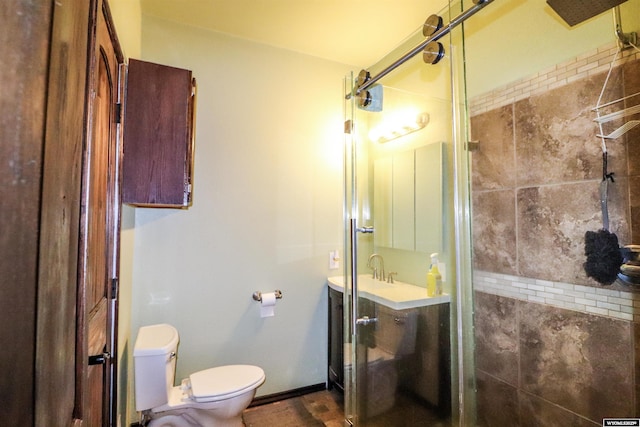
154, 364
395, 331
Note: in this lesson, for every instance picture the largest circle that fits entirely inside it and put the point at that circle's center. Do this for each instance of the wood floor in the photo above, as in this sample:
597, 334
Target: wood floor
322, 408
326, 408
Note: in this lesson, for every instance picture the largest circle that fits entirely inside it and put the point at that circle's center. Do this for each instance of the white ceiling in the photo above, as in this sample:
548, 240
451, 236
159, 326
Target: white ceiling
354, 32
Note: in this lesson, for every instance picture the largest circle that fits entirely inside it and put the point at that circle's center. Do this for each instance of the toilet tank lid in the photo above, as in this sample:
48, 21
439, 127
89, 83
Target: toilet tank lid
154, 340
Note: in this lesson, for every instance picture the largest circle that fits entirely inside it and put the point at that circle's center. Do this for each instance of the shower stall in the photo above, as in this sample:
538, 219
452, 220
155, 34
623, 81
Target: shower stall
408, 352
410, 356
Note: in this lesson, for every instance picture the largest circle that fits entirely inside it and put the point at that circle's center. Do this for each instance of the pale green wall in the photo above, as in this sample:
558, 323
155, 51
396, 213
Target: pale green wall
127, 16
509, 40
267, 209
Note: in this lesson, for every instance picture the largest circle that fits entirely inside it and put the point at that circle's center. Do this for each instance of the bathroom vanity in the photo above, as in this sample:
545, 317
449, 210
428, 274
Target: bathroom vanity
422, 370
336, 339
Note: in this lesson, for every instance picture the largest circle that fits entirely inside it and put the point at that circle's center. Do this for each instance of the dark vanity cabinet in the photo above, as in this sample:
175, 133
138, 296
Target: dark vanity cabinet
158, 136
336, 339
422, 362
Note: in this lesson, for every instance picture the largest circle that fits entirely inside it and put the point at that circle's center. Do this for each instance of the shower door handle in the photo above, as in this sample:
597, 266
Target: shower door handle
365, 320
365, 229
353, 231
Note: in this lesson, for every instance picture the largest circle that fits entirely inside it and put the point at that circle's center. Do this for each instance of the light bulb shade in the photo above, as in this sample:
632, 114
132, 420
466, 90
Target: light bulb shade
398, 127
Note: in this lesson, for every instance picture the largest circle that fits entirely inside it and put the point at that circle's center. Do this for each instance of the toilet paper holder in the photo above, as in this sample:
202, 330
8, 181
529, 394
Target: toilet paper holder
257, 295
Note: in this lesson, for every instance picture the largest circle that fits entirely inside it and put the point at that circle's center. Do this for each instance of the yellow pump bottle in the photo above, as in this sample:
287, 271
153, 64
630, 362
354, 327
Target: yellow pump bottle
434, 278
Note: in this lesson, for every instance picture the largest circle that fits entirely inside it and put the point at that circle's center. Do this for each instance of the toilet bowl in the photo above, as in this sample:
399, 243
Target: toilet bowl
213, 397
394, 337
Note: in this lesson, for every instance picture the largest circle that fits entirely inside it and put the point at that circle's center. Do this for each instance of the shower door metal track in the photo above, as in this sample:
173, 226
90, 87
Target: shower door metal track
479, 4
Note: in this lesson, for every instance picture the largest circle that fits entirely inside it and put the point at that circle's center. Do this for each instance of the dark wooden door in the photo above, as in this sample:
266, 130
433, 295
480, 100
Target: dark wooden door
60, 216
24, 31
97, 293
56, 374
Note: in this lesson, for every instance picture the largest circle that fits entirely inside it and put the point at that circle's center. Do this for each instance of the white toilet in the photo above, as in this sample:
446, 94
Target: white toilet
213, 397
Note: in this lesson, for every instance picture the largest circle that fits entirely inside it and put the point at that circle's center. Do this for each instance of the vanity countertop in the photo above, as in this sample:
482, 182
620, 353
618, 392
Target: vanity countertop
397, 295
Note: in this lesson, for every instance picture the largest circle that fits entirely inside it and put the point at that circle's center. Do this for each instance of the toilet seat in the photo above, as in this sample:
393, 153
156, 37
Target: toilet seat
222, 382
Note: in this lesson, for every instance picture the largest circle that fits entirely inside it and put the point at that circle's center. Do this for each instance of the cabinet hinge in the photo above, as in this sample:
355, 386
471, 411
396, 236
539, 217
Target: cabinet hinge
348, 126
118, 111
99, 359
114, 288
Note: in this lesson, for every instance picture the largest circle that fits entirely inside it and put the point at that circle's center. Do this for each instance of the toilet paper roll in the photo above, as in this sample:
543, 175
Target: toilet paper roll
267, 304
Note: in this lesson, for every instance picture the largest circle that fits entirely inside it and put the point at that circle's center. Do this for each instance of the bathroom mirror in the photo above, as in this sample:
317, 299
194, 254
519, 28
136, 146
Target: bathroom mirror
407, 199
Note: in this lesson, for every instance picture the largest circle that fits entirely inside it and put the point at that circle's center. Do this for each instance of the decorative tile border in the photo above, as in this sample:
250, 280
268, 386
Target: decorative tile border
585, 65
586, 299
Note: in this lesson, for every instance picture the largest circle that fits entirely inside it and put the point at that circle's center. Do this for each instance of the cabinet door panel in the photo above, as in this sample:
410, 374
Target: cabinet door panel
158, 135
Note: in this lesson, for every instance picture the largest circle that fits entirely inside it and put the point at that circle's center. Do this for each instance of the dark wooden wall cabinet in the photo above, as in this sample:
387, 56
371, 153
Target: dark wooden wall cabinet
158, 136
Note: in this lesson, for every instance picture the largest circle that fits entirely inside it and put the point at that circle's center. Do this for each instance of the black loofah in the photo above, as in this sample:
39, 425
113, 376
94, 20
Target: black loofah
603, 256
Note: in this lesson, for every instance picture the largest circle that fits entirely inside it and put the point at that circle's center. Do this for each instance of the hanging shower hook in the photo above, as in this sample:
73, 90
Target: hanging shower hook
625, 40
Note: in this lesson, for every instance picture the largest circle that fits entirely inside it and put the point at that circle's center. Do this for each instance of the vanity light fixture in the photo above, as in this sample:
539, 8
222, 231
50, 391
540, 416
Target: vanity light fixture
395, 127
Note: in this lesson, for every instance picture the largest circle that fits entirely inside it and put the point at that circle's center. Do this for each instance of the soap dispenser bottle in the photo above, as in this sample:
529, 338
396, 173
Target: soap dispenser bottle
434, 278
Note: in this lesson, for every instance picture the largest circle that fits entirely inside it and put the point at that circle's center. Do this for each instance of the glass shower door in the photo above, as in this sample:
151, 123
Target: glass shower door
408, 355
351, 217
397, 350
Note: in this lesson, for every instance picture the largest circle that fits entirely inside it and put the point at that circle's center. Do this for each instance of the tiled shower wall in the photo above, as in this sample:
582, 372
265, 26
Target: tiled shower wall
553, 346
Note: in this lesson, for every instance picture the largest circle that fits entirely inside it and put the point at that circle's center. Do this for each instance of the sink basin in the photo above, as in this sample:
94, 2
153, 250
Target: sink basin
368, 283
397, 295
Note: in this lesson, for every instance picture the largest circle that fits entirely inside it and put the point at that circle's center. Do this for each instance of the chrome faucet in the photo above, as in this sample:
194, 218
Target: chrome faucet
377, 274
